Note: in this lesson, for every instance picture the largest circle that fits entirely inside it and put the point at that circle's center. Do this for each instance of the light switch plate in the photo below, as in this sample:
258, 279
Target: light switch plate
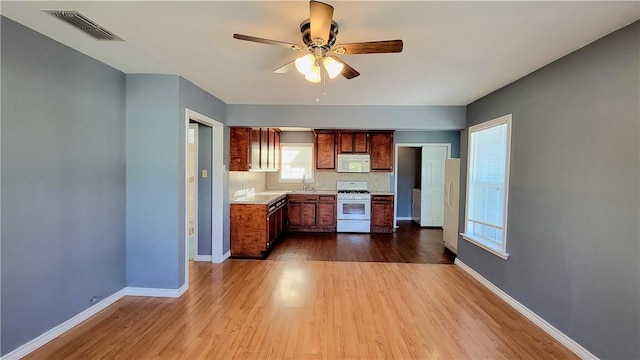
204, 174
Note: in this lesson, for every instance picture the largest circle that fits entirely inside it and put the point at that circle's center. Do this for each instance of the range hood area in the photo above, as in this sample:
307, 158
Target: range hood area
349, 163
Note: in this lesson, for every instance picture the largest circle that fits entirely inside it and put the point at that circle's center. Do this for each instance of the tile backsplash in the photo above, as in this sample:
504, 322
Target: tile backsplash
326, 180
243, 182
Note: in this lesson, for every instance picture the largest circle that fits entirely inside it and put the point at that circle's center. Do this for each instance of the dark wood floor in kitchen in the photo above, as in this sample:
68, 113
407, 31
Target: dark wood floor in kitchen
409, 244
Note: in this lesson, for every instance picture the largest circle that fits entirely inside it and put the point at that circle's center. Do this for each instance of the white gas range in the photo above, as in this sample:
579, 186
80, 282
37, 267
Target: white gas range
354, 207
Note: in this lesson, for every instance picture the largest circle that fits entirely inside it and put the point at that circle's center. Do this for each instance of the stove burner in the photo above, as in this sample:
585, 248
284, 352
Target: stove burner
353, 191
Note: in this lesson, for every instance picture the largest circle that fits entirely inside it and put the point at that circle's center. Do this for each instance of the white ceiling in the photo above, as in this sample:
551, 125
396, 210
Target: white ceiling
454, 52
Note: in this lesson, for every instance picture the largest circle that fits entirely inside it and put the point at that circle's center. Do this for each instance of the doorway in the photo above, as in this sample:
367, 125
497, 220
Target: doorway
203, 190
199, 191
419, 182
192, 190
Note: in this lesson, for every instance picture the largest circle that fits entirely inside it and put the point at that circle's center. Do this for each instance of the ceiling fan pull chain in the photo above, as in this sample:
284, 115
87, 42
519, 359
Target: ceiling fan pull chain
324, 82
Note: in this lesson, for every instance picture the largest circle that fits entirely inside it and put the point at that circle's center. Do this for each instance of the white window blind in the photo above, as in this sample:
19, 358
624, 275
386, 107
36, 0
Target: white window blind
296, 161
487, 184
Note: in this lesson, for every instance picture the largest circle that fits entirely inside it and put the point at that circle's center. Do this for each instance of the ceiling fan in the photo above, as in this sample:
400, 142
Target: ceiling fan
319, 33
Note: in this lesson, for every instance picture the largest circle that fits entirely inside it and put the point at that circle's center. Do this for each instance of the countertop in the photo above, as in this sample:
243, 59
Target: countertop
261, 198
268, 197
376, 192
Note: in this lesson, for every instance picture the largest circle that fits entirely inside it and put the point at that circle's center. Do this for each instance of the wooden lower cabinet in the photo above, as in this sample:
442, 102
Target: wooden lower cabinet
326, 213
311, 213
255, 228
382, 214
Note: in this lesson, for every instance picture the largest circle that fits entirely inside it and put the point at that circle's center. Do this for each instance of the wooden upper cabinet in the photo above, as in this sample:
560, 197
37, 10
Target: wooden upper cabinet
271, 149
381, 151
240, 149
264, 148
254, 149
353, 142
276, 149
325, 149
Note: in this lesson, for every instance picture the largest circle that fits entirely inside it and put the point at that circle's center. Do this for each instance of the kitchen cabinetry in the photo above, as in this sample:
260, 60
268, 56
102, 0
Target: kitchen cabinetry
240, 147
255, 228
325, 149
255, 149
377, 143
353, 142
382, 213
381, 143
311, 213
273, 162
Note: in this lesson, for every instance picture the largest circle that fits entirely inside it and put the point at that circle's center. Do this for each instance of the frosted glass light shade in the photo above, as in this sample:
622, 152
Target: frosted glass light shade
313, 75
304, 64
334, 68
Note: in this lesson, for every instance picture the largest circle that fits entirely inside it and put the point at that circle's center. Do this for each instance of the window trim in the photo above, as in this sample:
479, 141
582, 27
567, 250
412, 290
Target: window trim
306, 179
478, 241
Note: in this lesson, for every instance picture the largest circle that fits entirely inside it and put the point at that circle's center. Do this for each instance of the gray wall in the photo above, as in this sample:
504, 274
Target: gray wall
63, 183
574, 194
156, 176
152, 181
204, 190
194, 98
409, 166
348, 117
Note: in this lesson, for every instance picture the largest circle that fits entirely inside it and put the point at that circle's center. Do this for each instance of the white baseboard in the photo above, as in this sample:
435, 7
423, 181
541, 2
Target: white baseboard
156, 292
529, 314
41, 340
202, 258
404, 218
219, 260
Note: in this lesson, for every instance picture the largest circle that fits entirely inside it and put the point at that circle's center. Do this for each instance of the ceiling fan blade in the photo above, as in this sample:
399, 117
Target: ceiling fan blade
372, 47
268, 42
348, 72
286, 67
321, 17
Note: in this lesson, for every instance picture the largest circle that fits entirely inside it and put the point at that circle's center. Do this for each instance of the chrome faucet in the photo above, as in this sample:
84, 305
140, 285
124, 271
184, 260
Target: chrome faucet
304, 184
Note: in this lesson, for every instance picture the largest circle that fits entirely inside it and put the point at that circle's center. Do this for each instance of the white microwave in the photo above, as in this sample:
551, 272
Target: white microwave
353, 163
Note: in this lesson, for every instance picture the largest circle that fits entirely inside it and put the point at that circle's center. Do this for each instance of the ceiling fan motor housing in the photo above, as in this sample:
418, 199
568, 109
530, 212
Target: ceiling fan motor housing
305, 29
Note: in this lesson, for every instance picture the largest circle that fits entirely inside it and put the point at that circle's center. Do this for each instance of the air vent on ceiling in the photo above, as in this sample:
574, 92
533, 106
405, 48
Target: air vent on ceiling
83, 24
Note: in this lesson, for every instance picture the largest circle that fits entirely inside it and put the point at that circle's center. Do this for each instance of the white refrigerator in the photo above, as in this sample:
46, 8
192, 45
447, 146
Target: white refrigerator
451, 203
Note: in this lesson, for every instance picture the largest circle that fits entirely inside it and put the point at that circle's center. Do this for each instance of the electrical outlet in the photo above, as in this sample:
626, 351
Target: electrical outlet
93, 300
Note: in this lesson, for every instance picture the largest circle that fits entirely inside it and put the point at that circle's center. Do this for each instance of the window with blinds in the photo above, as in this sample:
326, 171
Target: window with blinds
296, 162
487, 185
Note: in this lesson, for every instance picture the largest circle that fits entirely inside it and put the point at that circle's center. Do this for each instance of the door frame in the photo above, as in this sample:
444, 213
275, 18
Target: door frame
395, 170
217, 191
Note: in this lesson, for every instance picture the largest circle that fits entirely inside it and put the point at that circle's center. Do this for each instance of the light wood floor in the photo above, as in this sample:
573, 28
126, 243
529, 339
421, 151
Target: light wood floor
248, 309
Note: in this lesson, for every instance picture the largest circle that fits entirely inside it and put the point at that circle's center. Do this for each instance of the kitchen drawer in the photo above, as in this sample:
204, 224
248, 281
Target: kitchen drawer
302, 198
327, 198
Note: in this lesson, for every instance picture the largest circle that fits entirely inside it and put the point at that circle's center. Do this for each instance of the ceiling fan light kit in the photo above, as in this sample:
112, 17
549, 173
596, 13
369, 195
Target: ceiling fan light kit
319, 34
333, 67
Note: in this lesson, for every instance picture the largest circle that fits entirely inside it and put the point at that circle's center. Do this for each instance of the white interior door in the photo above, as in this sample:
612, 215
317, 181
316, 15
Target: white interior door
432, 185
451, 203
